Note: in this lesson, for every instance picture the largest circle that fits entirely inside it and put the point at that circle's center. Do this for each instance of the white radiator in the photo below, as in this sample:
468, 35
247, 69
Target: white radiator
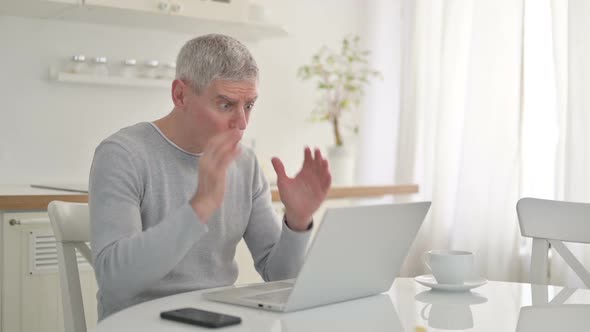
43, 254
31, 297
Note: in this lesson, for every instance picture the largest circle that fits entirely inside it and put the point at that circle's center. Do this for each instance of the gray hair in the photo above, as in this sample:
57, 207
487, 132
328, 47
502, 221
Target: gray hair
210, 57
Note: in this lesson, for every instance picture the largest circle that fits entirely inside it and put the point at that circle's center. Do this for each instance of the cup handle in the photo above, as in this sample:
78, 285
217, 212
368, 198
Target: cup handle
425, 261
423, 312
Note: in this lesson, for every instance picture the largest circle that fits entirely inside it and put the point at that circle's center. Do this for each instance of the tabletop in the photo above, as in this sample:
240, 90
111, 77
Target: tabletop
407, 307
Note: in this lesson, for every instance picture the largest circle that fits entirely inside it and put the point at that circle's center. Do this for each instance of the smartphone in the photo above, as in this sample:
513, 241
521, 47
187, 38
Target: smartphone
200, 317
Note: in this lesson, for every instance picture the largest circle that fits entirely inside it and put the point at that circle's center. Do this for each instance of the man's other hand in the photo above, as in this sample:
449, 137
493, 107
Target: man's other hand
303, 194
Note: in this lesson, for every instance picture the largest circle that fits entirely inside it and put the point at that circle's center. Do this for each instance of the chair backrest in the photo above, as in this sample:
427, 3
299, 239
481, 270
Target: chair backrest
71, 226
551, 222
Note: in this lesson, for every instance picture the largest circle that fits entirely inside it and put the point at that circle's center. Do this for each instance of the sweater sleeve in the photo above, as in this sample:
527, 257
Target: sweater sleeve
278, 252
127, 258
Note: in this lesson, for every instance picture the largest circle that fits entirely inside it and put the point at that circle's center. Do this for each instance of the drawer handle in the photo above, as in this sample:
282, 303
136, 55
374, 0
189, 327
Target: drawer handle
26, 222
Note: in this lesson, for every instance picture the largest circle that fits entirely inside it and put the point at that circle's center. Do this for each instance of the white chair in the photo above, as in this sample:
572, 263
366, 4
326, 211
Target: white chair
551, 222
71, 226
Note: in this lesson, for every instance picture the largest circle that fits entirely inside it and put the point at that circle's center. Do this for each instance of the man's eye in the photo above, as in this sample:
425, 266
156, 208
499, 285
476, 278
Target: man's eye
225, 106
249, 107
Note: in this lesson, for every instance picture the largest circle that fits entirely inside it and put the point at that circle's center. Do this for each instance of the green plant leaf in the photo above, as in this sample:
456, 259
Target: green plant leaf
340, 78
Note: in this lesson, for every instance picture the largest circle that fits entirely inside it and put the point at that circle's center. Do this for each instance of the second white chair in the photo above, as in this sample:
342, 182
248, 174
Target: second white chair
71, 226
551, 222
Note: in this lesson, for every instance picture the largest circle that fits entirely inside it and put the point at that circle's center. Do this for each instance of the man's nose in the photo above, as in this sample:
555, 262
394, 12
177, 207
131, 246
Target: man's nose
239, 120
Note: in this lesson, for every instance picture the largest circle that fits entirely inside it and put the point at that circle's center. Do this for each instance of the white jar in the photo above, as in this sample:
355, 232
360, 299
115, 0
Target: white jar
129, 68
77, 65
150, 69
99, 66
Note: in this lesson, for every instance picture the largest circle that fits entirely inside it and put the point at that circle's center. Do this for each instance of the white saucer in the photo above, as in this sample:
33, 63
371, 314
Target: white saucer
450, 298
429, 281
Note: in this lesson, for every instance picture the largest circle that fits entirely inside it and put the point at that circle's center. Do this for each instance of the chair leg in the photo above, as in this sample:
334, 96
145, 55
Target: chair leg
73, 307
539, 262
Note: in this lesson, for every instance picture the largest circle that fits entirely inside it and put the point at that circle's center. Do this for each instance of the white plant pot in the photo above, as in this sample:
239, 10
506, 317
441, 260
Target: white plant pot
341, 161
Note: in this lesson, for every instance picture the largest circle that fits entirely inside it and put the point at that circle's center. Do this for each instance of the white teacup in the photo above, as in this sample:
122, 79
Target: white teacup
449, 266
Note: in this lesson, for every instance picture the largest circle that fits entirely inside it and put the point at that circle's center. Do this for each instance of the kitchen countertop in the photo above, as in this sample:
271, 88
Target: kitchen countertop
24, 197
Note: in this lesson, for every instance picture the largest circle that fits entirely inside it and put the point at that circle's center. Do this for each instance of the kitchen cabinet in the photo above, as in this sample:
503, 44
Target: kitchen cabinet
187, 16
37, 8
225, 10
70, 2
150, 6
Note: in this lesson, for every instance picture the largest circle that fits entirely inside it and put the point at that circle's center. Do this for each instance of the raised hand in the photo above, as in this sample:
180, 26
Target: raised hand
217, 155
303, 194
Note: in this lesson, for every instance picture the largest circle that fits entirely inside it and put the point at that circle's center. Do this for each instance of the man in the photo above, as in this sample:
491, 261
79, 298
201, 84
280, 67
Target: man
170, 200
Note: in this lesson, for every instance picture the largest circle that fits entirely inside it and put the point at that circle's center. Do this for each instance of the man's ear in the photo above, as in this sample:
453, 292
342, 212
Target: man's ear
179, 93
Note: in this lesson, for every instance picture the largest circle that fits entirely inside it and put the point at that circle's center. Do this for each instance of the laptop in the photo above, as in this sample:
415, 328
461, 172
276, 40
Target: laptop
357, 252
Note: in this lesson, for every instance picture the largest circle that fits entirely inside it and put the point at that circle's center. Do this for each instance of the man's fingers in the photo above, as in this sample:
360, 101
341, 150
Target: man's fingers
326, 180
307, 158
223, 144
318, 154
324, 164
277, 164
326, 176
227, 137
317, 160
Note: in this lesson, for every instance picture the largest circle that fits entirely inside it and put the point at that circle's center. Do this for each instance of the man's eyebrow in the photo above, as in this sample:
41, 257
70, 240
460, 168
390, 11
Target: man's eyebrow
233, 101
226, 98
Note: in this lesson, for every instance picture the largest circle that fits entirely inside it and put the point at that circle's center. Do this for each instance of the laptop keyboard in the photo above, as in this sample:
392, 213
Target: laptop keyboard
254, 289
280, 296
270, 286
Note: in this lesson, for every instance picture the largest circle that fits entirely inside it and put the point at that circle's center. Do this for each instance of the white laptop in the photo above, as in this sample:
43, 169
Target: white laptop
357, 252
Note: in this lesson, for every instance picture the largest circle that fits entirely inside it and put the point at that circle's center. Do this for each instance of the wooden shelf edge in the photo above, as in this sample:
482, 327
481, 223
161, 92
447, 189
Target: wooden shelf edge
363, 191
37, 202
113, 80
40, 202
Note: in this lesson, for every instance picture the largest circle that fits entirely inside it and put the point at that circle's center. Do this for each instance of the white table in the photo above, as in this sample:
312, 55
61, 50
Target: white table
408, 307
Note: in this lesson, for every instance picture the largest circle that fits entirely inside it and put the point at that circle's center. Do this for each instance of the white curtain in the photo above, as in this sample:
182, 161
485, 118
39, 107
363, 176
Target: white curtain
460, 127
571, 28
493, 106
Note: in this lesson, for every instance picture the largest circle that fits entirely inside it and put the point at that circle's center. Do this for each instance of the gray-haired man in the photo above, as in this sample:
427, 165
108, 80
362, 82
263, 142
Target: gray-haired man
171, 199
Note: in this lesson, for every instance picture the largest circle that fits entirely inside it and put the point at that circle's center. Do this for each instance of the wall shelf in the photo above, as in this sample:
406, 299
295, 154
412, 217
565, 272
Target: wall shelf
112, 80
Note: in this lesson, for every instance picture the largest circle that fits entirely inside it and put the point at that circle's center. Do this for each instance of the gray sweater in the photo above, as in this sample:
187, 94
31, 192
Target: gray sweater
147, 242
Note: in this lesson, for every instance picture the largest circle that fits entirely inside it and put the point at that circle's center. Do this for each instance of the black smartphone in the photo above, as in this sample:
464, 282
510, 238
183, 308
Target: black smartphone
200, 317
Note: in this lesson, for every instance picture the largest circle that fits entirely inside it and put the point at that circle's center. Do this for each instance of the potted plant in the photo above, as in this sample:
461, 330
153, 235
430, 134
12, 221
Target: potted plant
340, 79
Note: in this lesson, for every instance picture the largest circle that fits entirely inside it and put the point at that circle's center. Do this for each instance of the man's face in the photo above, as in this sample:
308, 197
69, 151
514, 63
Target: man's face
221, 106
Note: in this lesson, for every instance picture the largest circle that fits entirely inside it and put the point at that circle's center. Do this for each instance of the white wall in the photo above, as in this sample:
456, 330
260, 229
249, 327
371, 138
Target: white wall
48, 130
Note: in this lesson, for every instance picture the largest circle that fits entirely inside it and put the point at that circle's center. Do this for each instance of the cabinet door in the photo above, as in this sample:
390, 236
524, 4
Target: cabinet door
31, 298
224, 10
36, 8
152, 6
69, 2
